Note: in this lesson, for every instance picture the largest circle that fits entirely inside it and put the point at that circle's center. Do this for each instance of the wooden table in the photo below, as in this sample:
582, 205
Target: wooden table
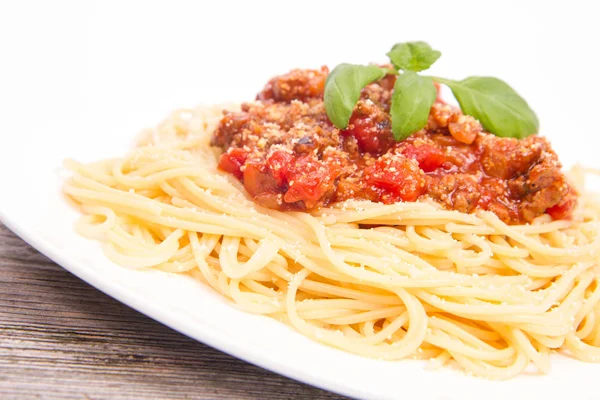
62, 339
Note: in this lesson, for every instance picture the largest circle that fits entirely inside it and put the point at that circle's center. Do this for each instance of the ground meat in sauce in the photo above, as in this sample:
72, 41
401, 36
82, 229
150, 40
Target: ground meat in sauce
290, 157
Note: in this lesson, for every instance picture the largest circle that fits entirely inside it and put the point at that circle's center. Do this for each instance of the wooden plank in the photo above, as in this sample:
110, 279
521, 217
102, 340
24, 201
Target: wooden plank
62, 339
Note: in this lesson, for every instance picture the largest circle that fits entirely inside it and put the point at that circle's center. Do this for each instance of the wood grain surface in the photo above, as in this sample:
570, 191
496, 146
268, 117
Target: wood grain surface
60, 338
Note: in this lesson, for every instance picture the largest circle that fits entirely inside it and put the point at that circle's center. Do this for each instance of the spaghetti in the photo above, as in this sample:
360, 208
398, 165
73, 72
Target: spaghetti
387, 281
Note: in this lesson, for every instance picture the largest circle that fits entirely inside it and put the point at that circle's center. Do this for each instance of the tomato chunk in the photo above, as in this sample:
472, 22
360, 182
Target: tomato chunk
310, 180
279, 162
429, 157
232, 161
370, 138
397, 177
258, 179
564, 208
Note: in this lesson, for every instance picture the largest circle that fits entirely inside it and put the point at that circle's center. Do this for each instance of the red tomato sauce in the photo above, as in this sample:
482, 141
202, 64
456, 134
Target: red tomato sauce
290, 157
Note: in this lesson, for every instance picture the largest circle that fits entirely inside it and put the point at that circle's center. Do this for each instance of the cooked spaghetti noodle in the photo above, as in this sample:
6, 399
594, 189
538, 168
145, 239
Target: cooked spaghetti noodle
409, 279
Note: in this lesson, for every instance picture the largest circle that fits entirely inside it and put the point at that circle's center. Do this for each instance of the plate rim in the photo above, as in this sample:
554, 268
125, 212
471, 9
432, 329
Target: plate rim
207, 335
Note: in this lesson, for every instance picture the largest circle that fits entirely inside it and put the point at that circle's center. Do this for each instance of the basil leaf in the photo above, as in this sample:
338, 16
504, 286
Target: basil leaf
411, 103
496, 105
342, 90
413, 56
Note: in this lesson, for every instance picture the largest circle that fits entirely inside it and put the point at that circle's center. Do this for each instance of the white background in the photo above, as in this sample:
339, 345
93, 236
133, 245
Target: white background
135, 60
80, 79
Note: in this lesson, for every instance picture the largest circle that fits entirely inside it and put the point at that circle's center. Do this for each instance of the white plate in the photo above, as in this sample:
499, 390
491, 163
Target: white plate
88, 76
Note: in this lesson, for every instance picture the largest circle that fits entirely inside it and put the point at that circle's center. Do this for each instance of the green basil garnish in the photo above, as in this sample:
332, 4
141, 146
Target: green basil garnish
411, 102
413, 56
342, 90
496, 105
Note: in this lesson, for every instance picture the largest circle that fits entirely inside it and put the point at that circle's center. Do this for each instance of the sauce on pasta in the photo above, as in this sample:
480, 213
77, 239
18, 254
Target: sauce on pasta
290, 157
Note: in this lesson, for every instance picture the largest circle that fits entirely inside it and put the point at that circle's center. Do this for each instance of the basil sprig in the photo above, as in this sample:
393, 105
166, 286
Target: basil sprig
342, 90
411, 101
494, 103
413, 56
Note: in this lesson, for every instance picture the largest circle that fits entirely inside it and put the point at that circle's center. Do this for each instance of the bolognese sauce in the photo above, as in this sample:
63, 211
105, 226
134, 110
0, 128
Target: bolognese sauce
290, 157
